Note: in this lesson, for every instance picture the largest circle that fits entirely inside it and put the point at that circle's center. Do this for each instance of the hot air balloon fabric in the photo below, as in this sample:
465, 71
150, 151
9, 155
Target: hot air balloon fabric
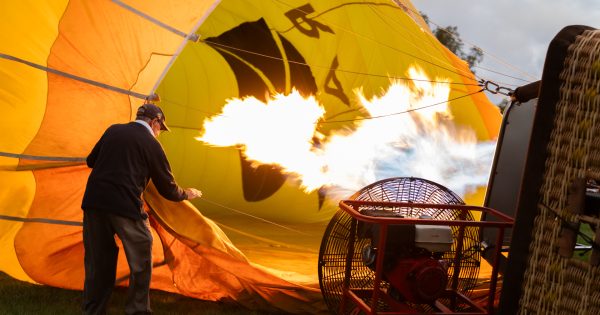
71, 68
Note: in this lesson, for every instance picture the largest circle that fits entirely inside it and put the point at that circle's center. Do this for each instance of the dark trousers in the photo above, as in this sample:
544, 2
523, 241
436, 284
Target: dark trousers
100, 261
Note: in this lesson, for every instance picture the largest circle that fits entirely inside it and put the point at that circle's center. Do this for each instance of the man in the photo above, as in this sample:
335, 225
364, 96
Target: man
123, 161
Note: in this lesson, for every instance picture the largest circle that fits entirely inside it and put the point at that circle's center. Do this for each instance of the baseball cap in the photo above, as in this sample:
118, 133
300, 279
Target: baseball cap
152, 111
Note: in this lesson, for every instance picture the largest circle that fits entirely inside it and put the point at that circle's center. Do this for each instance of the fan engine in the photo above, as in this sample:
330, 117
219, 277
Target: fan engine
413, 263
420, 256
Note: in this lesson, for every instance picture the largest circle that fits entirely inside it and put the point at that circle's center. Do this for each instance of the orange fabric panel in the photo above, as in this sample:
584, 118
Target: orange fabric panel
52, 254
75, 118
191, 274
101, 41
202, 251
29, 36
175, 13
209, 274
139, 51
77, 113
194, 227
49, 253
17, 190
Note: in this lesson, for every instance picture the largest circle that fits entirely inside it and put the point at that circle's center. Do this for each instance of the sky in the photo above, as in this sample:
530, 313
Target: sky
514, 34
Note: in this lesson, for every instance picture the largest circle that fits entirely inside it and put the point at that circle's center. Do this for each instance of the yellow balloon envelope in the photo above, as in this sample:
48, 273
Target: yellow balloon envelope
69, 69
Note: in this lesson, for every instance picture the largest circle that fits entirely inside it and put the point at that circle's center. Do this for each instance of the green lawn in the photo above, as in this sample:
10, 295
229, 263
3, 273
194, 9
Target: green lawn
586, 230
17, 297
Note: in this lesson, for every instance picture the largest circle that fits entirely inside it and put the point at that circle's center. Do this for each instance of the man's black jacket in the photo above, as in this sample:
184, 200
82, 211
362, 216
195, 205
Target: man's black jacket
123, 161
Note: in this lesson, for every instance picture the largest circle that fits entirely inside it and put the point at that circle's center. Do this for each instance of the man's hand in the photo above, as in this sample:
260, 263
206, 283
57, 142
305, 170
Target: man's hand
192, 193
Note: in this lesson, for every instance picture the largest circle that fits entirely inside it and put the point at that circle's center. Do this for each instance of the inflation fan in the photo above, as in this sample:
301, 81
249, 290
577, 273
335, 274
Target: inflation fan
402, 246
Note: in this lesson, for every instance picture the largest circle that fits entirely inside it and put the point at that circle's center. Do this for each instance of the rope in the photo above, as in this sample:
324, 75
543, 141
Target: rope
79, 223
503, 74
481, 49
41, 220
567, 224
193, 36
152, 97
337, 69
419, 47
480, 82
78, 159
362, 118
403, 112
262, 239
42, 158
379, 43
252, 216
463, 73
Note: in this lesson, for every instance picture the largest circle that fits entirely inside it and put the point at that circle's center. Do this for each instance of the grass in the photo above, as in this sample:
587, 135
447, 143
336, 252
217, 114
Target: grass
18, 297
584, 254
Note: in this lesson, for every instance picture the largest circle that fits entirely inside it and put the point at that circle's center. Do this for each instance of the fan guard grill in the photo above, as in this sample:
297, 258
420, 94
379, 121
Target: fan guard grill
334, 246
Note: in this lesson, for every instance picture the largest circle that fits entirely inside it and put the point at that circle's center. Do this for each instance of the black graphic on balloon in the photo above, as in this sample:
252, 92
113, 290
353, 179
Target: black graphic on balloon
259, 58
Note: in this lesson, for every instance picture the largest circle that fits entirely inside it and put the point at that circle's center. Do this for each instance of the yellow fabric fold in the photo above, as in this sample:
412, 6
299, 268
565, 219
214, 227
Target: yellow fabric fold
196, 246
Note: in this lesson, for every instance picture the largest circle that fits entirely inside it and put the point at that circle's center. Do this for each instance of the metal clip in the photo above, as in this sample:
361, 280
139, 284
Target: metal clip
152, 98
487, 84
505, 91
495, 88
193, 37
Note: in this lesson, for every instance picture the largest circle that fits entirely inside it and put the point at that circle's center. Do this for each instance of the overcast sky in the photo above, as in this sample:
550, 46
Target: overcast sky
515, 31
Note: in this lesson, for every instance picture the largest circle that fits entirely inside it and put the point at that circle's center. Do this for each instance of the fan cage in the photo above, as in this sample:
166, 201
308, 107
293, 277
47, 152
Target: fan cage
335, 246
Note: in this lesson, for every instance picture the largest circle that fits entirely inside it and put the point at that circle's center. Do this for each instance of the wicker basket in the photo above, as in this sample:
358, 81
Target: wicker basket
550, 282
